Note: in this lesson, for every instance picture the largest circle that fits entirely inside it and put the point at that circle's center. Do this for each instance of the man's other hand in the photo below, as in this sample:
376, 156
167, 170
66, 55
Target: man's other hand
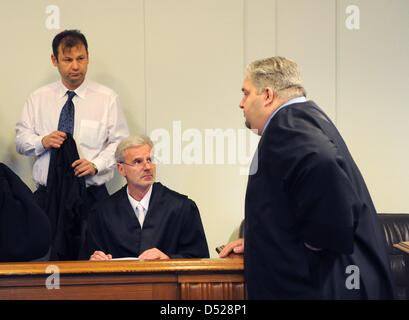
153, 254
83, 167
100, 256
236, 246
54, 140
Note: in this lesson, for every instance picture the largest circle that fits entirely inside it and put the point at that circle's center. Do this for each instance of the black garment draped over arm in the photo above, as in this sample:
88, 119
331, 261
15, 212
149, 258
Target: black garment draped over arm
66, 194
172, 225
24, 227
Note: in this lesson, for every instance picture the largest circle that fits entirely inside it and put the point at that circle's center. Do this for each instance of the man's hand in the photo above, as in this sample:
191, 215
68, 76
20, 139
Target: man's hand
236, 246
153, 254
99, 256
54, 140
83, 167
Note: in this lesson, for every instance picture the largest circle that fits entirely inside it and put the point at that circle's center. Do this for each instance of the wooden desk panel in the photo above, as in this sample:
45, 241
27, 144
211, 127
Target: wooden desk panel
186, 279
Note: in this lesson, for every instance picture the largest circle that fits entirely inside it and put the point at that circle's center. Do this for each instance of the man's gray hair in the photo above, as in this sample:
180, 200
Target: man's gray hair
279, 73
131, 141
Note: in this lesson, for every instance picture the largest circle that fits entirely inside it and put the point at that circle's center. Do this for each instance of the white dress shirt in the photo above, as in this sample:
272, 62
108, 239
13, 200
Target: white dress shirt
99, 126
144, 202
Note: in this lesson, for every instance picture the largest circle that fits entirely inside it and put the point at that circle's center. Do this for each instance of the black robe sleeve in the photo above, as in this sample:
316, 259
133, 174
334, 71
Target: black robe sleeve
326, 203
311, 162
25, 232
192, 240
94, 237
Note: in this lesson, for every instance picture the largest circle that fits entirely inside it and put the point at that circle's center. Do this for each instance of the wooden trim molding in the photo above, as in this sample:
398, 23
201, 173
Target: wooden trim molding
186, 279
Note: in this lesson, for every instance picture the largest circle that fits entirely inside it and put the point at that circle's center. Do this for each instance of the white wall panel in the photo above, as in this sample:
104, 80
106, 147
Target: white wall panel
194, 67
259, 29
373, 97
306, 33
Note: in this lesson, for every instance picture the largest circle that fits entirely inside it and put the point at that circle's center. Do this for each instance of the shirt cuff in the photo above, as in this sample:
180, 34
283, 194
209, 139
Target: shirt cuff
39, 148
99, 164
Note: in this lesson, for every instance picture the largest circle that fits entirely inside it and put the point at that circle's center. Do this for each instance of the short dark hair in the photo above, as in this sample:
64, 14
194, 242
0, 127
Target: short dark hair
68, 39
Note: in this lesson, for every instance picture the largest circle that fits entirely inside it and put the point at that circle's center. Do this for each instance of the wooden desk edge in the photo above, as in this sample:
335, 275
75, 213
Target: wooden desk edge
122, 266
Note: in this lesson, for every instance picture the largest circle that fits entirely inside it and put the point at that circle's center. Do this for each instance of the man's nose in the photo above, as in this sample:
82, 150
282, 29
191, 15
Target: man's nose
241, 105
75, 64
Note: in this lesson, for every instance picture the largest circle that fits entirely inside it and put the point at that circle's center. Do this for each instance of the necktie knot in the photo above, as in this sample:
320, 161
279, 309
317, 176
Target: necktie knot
70, 94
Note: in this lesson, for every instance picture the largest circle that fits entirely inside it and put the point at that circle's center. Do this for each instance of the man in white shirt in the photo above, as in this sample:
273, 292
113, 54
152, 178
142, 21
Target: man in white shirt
98, 120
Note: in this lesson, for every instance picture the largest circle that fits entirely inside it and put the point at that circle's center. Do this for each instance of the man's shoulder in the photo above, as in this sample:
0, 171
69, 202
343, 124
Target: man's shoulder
299, 133
303, 111
45, 89
164, 190
116, 196
107, 203
169, 198
100, 88
298, 119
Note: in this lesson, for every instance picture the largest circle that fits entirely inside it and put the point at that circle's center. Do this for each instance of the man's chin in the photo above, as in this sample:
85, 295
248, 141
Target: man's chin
255, 131
76, 81
148, 182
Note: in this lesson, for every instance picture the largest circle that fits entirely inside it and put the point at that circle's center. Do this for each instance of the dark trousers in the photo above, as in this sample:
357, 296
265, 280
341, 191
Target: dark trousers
93, 194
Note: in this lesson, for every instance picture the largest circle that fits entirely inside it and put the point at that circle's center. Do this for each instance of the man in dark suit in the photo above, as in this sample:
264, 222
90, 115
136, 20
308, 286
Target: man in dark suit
311, 229
144, 219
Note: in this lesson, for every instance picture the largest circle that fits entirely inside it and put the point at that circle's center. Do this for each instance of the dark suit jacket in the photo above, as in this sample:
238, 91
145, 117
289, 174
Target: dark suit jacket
307, 188
172, 224
25, 231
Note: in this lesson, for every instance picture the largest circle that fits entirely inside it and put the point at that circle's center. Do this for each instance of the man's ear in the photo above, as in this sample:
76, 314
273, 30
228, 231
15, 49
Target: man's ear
54, 60
268, 96
121, 170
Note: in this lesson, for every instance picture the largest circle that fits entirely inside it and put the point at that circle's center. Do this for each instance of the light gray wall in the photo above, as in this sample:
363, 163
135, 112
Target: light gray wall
178, 67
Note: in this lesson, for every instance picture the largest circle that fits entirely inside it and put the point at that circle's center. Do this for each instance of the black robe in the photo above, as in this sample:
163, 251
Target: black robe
308, 189
25, 232
172, 225
66, 196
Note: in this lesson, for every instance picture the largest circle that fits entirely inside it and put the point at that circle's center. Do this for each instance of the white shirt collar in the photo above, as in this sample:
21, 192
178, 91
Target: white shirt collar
144, 201
80, 91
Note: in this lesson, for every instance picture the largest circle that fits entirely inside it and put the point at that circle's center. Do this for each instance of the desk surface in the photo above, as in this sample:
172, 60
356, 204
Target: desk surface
125, 279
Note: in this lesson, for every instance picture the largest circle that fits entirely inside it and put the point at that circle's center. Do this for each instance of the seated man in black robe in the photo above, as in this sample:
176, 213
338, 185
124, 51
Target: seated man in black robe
144, 219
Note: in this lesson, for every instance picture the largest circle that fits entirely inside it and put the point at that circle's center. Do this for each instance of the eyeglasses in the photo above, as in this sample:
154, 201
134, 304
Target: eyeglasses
139, 163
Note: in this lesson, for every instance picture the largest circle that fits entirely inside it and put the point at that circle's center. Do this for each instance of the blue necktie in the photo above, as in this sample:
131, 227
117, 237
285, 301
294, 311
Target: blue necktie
66, 122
